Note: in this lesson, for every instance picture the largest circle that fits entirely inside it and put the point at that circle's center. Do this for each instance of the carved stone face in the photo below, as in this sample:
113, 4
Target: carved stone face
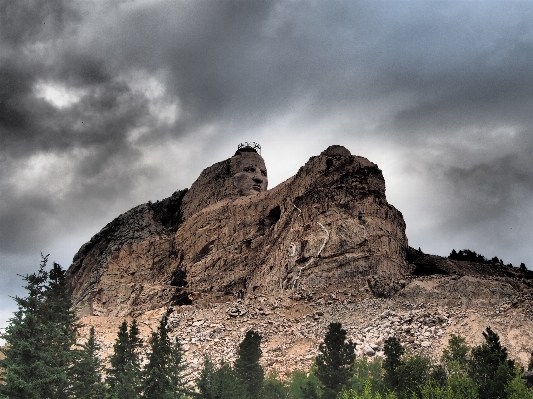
249, 173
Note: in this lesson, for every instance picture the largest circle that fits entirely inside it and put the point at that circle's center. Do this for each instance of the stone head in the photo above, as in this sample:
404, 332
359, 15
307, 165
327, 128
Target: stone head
248, 172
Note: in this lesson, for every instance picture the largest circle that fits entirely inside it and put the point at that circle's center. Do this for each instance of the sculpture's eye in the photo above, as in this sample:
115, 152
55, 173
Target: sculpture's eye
249, 169
263, 172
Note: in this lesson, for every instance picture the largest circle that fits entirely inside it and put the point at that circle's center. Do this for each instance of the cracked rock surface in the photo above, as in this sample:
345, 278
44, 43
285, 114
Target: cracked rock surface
328, 224
323, 246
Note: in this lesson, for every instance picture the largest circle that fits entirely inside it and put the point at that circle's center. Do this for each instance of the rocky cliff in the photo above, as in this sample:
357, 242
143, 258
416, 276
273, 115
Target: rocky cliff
329, 224
228, 255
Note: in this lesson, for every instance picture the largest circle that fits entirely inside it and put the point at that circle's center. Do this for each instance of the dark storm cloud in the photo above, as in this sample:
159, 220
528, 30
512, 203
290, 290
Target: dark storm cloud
89, 136
27, 21
451, 78
492, 189
102, 117
470, 71
244, 59
14, 87
454, 62
24, 224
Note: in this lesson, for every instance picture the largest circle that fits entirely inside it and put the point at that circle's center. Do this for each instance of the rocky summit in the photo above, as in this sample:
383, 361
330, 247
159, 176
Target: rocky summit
228, 255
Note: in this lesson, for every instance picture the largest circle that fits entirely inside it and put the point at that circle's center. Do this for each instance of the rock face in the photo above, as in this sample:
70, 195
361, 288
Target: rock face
228, 237
227, 256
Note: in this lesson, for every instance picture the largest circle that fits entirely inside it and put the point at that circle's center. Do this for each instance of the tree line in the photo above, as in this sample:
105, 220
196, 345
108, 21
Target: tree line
473, 256
42, 360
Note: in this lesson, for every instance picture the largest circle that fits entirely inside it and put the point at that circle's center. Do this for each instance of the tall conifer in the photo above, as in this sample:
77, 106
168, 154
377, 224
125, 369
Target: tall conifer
393, 350
247, 366
164, 375
123, 377
490, 367
335, 363
39, 338
86, 373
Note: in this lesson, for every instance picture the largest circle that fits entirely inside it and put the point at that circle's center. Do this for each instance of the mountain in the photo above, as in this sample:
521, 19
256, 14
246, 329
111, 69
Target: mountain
228, 255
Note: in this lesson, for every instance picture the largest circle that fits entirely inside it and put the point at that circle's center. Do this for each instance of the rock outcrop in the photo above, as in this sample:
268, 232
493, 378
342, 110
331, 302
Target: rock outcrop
328, 224
227, 256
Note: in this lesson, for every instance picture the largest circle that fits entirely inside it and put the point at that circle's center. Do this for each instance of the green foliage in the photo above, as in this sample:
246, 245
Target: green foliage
304, 385
438, 375
366, 393
219, 383
164, 376
411, 375
456, 360
86, 373
274, 388
247, 366
516, 389
334, 364
429, 391
456, 355
228, 385
124, 375
490, 368
311, 391
393, 351
365, 371
462, 386
39, 338
206, 381
468, 255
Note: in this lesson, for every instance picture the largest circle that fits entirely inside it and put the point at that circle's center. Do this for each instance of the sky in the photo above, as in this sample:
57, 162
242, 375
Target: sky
105, 105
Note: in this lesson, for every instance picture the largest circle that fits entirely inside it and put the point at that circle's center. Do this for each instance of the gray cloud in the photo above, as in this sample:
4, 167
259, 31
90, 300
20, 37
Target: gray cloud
23, 22
439, 94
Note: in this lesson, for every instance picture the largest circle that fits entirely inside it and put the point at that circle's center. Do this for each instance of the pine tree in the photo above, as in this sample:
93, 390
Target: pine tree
247, 366
123, 377
393, 351
164, 375
86, 373
219, 383
455, 356
304, 385
206, 381
228, 385
490, 367
335, 363
39, 338
61, 325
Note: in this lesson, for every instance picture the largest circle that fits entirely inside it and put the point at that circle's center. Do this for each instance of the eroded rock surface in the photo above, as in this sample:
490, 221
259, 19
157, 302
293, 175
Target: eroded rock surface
227, 236
227, 256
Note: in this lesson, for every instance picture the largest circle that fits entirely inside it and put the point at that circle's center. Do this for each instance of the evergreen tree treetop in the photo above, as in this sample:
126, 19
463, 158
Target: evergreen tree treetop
39, 338
247, 366
124, 375
456, 354
86, 372
490, 367
335, 362
164, 375
393, 351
